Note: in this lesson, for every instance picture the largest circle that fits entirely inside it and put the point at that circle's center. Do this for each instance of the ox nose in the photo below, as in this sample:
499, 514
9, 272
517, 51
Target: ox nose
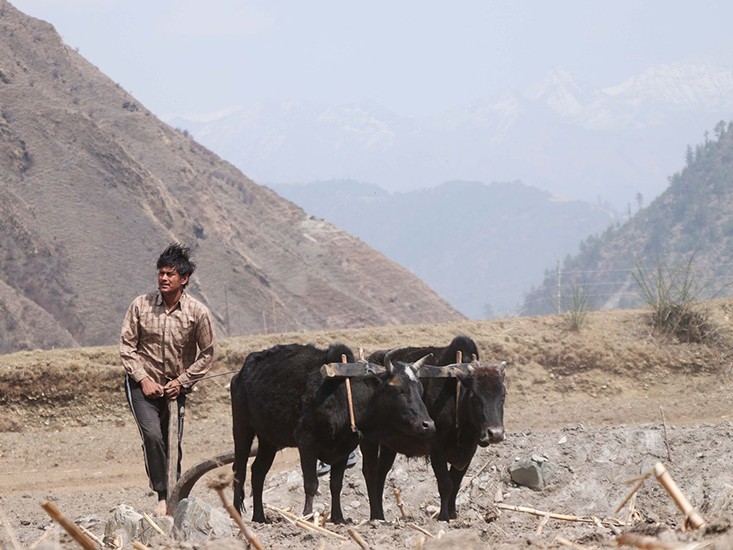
428, 427
493, 434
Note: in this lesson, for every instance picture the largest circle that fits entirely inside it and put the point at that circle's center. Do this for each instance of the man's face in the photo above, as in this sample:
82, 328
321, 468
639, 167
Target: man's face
169, 281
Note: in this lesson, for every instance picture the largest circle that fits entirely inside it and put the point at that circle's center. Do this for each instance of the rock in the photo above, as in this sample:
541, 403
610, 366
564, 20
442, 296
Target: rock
127, 524
196, 520
531, 472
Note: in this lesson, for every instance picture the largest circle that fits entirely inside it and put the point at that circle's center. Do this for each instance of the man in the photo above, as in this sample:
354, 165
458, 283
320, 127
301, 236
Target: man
166, 345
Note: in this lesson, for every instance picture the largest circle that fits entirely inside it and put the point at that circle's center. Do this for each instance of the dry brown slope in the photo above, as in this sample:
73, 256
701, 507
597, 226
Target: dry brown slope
96, 186
614, 361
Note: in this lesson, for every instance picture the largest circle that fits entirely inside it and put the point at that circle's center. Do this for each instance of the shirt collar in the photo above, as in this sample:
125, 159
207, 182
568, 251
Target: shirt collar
160, 302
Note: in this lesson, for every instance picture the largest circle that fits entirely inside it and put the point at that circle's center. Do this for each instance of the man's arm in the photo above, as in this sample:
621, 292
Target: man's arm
129, 337
206, 342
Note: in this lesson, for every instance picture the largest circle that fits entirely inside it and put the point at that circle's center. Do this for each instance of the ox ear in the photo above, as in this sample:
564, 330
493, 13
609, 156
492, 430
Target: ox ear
500, 368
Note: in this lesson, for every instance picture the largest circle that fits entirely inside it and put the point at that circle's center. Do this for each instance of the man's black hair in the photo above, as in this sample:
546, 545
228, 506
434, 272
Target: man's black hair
177, 255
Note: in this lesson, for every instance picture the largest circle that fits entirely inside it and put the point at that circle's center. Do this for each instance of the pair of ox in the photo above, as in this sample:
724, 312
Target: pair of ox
280, 396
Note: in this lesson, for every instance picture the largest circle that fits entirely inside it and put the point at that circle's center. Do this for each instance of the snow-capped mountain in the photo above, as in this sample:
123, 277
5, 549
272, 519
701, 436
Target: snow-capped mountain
562, 136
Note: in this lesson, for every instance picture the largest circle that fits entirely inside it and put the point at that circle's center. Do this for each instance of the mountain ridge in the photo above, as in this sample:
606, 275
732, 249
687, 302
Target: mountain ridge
94, 186
562, 136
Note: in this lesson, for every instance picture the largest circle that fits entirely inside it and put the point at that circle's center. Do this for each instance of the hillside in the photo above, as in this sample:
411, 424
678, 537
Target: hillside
479, 246
93, 186
687, 232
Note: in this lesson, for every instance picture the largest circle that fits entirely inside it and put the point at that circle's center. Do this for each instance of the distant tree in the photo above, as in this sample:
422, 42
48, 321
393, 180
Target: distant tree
639, 200
719, 129
689, 156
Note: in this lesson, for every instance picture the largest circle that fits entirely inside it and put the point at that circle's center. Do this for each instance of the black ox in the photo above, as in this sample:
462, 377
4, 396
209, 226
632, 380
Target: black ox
280, 396
480, 421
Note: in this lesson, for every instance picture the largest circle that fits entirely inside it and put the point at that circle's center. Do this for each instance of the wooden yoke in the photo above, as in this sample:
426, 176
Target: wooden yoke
364, 368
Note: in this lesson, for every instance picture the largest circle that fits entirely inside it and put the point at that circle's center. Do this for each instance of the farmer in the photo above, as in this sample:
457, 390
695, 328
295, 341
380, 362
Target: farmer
166, 345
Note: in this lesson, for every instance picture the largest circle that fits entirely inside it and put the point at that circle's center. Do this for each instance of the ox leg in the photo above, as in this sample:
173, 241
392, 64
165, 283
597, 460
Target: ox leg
336, 483
243, 437
308, 459
456, 476
242, 448
445, 483
377, 461
261, 465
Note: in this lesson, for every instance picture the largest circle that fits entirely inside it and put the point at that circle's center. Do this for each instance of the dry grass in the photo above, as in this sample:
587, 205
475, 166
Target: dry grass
618, 343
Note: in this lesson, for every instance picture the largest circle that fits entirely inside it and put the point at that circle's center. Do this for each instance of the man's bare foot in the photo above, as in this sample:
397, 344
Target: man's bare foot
160, 508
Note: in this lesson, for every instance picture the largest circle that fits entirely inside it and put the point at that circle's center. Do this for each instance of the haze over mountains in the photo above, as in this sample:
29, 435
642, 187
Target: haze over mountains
93, 186
481, 247
619, 143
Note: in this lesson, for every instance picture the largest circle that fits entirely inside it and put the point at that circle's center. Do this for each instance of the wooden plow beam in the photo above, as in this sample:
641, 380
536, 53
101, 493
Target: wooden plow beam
188, 479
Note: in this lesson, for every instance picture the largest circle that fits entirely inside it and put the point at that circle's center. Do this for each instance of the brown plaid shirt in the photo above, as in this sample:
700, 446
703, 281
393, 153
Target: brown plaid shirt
163, 344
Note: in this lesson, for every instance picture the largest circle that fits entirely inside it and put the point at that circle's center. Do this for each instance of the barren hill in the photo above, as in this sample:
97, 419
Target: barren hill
93, 186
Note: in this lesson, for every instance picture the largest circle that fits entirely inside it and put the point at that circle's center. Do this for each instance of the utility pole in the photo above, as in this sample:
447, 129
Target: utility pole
559, 289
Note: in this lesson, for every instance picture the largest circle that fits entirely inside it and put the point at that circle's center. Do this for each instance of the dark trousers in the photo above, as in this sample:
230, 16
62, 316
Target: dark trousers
151, 416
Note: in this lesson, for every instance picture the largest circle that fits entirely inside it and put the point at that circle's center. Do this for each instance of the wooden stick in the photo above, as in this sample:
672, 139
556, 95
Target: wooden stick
400, 504
40, 539
541, 524
69, 526
459, 359
154, 525
467, 480
137, 545
666, 441
172, 453
570, 544
306, 524
642, 541
639, 482
423, 531
91, 535
11, 534
354, 534
218, 486
563, 517
350, 399
692, 517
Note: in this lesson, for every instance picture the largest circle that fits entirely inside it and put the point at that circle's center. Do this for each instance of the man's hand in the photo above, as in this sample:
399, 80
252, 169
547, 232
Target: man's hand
173, 389
151, 389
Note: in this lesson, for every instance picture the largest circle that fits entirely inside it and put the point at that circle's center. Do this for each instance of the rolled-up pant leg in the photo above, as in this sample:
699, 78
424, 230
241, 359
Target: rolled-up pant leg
151, 417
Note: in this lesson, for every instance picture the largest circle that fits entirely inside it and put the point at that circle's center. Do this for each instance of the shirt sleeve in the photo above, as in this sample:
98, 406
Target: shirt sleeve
206, 342
128, 343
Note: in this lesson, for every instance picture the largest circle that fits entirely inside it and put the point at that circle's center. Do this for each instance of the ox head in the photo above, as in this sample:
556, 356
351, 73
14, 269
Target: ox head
482, 401
399, 415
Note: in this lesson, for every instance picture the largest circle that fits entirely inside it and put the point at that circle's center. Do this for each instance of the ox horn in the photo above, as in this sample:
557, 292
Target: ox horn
388, 360
417, 365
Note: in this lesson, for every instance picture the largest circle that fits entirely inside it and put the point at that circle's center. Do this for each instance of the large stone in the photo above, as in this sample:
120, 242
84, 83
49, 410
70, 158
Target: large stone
531, 472
126, 525
196, 520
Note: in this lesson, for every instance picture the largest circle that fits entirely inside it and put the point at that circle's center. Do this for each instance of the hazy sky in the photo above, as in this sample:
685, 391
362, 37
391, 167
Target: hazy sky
411, 56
